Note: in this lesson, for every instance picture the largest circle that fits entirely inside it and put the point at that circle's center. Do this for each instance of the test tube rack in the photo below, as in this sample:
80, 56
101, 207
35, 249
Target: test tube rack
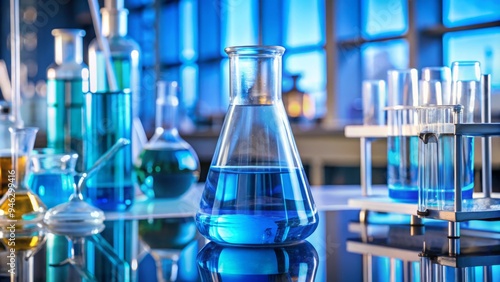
478, 209
480, 249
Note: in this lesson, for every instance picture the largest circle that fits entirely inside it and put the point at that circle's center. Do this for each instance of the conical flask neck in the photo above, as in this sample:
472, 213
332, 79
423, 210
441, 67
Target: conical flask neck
255, 74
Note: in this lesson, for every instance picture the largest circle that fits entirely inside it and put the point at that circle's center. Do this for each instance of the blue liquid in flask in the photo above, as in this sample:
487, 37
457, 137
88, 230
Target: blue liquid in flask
256, 206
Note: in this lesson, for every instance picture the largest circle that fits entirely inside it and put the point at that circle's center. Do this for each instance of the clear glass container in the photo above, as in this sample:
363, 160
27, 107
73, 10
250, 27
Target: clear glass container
108, 119
20, 203
67, 81
167, 165
435, 86
6, 121
126, 57
256, 192
52, 175
297, 262
402, 149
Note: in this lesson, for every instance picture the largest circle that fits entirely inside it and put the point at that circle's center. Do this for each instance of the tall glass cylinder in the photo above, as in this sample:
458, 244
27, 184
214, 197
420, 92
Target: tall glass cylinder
126, 57
402, 147
435, 86
466, 91
107, 119
67, 81
256, 191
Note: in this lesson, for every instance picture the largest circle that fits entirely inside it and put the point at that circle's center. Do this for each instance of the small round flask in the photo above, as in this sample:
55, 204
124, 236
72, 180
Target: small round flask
256, 191
167, 165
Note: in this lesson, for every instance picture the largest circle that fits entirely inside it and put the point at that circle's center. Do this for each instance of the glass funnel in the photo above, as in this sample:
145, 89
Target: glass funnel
167, 166
20, 203
256, 192
77, 215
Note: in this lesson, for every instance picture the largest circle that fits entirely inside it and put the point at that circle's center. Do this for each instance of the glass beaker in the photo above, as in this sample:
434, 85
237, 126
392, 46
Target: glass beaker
435, 86
52, 175
402, 148
437, 158
256, 192
167, 166
20, 203
297, 262
374, 101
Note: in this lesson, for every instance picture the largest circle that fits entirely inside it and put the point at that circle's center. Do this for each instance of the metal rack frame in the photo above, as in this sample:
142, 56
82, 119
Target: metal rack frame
476, 209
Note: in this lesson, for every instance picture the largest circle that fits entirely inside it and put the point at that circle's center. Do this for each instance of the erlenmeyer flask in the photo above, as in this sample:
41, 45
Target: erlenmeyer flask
256, 192
20, 203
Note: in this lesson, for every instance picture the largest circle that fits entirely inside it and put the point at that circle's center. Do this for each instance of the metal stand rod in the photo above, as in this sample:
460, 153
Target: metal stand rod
486, 140
366, 166
458, 165
453, 238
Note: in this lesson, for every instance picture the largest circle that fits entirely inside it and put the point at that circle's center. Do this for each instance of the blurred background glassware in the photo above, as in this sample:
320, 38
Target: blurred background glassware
167, 166
435, 86
52, 173
256, 191
402, 150
297, 262
20, 203
299, 105
6, 121
176, 234
67, 81
374, 101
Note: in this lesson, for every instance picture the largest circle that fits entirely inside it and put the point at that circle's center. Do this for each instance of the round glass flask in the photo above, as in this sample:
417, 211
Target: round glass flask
256, 192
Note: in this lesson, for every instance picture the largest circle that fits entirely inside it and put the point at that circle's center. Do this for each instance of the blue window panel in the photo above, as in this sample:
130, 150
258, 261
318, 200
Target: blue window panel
189, 79
383, 18
312, 68
347, 14
475, 45
188, 30
209, 31
348, 88
273, 21
464, 12
137, 3
304, 22
240, 22
209, 94
169, 38
379, 57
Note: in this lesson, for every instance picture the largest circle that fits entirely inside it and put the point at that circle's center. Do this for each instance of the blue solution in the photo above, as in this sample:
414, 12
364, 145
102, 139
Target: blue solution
296, 262
110, 198
444, 193
256, 206
52, 187
402, 168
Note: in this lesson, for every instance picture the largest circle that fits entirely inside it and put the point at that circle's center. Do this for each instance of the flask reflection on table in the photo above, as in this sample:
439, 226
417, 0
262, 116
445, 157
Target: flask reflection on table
165, 239
297, 262
21, 244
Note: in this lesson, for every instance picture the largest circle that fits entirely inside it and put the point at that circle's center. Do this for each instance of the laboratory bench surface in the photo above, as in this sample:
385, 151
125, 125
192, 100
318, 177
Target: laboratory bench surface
160, 236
